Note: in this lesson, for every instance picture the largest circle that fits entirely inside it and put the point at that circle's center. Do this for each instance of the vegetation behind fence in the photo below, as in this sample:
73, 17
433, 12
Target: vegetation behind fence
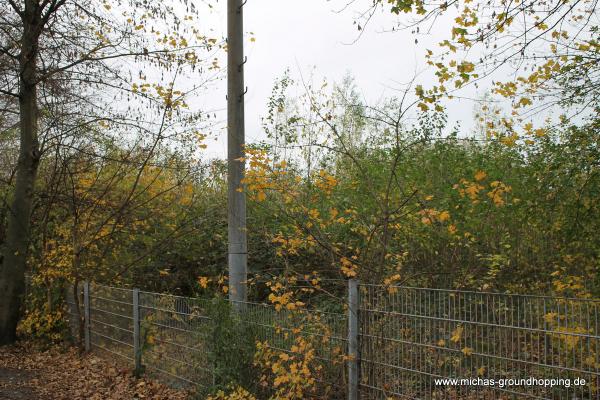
407, 338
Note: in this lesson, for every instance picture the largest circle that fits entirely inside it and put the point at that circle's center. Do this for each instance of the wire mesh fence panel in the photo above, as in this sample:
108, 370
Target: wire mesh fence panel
326, 333
447, 344
414, 343
111, 320
173, 339
177, 335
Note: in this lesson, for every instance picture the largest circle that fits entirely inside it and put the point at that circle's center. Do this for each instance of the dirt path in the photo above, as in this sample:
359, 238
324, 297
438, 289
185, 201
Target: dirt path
14, 384
28, 373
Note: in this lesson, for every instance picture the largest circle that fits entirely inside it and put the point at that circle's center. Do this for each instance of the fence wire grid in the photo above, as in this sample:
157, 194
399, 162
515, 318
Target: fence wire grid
408, 340
176, 335
411, 337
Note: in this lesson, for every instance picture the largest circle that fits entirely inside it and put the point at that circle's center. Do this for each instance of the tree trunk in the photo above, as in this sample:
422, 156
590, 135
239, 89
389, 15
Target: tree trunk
12, 273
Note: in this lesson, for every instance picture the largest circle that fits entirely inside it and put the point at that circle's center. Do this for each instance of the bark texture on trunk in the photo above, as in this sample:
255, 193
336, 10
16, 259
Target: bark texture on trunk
12, 272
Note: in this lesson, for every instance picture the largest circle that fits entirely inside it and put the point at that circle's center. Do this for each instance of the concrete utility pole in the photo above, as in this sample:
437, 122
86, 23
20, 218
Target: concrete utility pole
238, 244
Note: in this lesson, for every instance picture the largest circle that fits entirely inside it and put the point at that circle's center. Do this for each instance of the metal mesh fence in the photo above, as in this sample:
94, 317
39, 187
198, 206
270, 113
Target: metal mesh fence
411, 336
408, 339
174, 338
111, 320
326, 331
177, 334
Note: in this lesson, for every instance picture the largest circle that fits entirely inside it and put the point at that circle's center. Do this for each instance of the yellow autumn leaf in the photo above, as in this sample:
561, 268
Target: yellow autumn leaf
591, 361
457, 334
279, 380
550, 317
540, 132
424, 107
467, 351
203, 281
480, 175
444, 216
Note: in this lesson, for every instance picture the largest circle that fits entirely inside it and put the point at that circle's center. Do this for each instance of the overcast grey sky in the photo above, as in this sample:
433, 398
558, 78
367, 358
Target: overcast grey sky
300, 35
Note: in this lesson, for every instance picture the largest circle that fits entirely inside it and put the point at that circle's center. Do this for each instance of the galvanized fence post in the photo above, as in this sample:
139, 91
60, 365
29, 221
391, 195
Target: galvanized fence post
137, 351
86, 316
352, 339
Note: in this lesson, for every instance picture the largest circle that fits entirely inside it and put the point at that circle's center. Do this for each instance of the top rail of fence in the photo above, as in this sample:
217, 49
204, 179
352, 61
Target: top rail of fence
384, 287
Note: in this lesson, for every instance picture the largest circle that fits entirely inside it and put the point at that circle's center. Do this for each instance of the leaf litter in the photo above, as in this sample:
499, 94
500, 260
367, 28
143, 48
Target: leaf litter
29, 372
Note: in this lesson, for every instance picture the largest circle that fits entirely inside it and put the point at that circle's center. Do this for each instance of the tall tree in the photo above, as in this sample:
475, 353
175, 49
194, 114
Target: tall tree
63, 54
34, 16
